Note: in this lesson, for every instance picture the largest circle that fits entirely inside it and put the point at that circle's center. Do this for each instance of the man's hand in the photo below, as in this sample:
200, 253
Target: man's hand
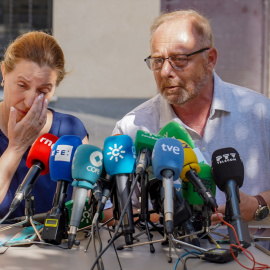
248, 207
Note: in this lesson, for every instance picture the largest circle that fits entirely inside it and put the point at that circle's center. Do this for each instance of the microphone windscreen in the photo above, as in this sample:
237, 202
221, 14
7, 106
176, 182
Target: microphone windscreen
41, 150
190, 161
119, 154
87, 163
177, 131
61, 157
168, 154
227, 165
145, 139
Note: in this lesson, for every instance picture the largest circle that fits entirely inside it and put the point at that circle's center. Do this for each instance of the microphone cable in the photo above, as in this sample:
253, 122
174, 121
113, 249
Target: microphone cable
100, 265
195, 254
119, 222
247, 253
5, 217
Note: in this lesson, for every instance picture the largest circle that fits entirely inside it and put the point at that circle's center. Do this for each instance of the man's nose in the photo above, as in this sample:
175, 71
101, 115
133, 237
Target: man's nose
167, 70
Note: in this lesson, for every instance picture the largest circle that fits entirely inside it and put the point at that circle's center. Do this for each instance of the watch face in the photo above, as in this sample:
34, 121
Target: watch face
262, 213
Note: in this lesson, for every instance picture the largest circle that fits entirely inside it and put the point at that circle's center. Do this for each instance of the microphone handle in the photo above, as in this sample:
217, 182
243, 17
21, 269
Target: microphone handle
60, 194
31, 178
123, 189
204, 192
78, 206
233, 211
27, 184
76, 215
232, 200
167, 183
143, 160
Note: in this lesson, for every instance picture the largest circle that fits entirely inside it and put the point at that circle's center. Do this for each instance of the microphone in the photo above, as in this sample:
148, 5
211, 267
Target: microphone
38, 163
201, 214
228, 172
189, 191
190, 172
177, 131
119, 161
86, 168
144, 144
56, 221
167, 163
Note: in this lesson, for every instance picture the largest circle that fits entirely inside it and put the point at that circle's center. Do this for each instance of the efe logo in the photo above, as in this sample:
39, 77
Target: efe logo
63, 153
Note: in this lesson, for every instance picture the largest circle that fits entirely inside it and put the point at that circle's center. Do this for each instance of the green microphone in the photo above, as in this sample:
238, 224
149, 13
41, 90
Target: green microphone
87, 214
177, 131
189, 191
144, 145
145, 139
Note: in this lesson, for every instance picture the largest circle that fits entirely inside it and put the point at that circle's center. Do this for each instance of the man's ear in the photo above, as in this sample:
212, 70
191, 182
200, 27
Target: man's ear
212, 58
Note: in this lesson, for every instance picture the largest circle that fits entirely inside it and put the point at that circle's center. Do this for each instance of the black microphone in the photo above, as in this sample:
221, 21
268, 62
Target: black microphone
228, 173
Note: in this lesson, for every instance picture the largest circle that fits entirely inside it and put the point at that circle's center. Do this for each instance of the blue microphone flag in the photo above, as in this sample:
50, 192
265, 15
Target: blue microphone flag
168, 154
61, 157
119, 155
87, 165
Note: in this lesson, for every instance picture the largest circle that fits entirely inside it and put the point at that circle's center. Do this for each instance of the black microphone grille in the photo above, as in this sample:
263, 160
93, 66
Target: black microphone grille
227, 165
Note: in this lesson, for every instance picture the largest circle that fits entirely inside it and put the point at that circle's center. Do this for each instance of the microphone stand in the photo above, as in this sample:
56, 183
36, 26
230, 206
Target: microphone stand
144, 215
56, 221
29, 213
116, 211
205, 231
169, 237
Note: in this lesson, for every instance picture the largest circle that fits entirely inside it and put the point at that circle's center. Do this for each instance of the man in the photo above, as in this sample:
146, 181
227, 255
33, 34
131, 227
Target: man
216, 114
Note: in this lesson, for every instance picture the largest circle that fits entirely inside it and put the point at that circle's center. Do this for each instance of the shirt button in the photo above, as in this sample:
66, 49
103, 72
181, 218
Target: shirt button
203, 149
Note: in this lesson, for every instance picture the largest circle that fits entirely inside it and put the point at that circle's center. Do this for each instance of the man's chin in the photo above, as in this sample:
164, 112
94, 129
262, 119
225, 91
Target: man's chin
176, 101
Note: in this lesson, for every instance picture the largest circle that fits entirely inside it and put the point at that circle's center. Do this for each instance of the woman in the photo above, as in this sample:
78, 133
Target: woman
32, 68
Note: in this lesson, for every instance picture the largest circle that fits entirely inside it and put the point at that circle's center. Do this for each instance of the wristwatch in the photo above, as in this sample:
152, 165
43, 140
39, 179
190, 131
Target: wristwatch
263, 211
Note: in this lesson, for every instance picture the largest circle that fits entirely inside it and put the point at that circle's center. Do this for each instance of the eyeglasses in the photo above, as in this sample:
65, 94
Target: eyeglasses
177, 61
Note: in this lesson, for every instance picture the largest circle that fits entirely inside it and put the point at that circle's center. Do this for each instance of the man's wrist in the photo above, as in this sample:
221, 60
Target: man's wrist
263, 210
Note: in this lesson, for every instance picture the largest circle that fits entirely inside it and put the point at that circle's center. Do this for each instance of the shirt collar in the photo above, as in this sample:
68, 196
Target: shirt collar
221, 99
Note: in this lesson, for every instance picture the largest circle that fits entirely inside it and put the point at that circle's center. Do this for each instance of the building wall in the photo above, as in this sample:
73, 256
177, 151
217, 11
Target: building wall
105, 42
241, 36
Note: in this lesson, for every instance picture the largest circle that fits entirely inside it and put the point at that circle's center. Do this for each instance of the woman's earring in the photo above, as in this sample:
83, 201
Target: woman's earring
2, 83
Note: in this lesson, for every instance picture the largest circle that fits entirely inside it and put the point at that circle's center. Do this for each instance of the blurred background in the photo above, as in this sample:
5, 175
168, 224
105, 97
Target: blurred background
105, 42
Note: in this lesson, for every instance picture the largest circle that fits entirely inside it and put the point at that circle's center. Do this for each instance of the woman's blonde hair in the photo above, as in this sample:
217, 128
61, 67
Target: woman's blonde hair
39, 47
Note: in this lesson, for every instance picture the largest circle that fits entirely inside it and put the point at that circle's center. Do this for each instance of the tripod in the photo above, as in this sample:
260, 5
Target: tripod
29, 213
144, 215
205, 230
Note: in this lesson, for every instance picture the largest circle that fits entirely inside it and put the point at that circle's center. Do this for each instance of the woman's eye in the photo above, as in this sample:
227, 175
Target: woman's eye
44, 92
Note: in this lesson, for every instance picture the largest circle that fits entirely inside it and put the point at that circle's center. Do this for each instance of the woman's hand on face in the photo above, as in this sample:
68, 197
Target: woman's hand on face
22, 134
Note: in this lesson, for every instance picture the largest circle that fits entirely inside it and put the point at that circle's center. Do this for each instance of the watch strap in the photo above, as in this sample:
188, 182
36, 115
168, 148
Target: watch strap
260, 200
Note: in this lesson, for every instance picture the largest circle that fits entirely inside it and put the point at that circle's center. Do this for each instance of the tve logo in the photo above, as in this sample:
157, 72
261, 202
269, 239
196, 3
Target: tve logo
63, 153
170, 148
